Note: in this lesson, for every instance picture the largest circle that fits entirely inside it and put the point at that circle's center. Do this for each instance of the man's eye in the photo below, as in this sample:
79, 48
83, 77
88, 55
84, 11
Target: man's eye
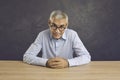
62, 26
53, 27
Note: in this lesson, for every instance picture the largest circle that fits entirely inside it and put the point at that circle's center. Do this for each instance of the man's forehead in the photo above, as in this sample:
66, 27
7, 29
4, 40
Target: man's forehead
59, 21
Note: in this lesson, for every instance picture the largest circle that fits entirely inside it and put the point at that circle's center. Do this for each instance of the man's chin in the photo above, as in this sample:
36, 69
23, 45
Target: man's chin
57, 37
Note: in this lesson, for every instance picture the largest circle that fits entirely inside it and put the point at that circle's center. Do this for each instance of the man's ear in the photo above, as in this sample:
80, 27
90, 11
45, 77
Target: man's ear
49, 22
66, 24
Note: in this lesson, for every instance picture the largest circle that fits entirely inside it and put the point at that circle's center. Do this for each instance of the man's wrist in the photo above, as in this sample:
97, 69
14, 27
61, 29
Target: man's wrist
67, 65
47, 65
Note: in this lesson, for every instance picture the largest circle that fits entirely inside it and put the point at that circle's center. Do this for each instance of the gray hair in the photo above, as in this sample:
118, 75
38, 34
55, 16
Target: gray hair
58, 14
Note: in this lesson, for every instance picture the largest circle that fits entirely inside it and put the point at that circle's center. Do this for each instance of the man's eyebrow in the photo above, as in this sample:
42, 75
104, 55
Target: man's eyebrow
56, 24
62, 25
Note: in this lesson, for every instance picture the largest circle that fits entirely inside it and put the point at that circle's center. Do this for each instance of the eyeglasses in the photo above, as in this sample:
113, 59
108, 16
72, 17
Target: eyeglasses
54, 27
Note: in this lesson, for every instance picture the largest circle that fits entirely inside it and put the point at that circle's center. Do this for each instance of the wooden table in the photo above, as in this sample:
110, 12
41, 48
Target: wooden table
96, 70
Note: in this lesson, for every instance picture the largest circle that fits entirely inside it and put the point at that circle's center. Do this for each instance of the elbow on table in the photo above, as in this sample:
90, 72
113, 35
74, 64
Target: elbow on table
89, 59
26, 59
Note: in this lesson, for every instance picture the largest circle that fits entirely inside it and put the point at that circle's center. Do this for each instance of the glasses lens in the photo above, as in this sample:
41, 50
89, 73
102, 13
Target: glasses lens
54, 27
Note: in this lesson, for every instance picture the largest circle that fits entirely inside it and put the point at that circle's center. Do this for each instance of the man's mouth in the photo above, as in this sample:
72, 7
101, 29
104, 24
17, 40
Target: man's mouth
56, 33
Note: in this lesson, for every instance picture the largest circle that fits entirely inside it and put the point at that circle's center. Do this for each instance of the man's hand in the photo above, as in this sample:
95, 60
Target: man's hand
57, 63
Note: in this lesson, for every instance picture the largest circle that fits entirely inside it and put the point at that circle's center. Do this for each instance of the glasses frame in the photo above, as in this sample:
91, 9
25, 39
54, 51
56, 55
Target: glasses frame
55, 27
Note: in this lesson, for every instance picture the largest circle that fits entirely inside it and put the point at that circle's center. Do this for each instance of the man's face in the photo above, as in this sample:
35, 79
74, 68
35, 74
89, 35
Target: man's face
57, 27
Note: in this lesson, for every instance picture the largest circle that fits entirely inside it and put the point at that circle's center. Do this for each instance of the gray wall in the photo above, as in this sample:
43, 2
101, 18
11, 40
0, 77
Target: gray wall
96, 21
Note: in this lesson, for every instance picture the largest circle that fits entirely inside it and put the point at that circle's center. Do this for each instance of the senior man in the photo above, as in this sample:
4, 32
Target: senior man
58, 45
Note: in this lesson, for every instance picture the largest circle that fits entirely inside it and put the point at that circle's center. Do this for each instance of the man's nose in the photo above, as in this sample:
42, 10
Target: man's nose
57, 30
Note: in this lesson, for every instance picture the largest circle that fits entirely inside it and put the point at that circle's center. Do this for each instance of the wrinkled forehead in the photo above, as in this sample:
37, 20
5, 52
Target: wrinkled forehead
59, 21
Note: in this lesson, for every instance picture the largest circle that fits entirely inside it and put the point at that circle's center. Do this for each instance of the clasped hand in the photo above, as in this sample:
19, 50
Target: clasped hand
57, 63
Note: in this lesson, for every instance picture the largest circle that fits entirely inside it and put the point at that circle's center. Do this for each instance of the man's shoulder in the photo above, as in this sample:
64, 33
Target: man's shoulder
71, 31
70, 34
44, 33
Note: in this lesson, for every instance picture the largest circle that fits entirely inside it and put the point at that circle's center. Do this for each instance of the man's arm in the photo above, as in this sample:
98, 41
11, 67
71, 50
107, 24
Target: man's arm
83, 56
30, 55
